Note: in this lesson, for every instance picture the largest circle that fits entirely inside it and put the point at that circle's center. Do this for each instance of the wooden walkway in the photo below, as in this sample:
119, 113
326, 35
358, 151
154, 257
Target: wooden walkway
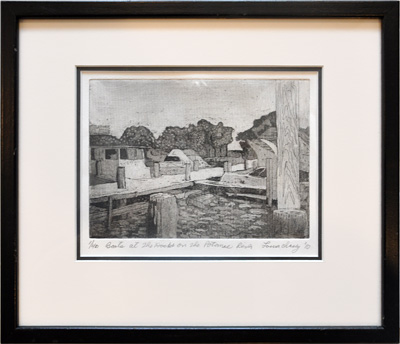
133, 194
233, 188
110, 212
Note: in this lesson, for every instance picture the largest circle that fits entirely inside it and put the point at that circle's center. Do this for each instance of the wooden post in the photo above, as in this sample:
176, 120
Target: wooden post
289, 220
268, 170
196, 165
187, 171
225, 166
98, 168
121, 179
290, 223
156, 170
229, 166
109, 215
274, 179
287, 122
164, 215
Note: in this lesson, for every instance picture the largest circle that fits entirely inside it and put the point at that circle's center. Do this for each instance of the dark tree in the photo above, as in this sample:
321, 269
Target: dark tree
104, 140
173, 138
205, 138
221, 136
263, 128
138, 136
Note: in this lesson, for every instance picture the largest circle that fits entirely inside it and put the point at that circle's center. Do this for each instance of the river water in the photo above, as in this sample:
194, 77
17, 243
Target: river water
207, 215
201, 214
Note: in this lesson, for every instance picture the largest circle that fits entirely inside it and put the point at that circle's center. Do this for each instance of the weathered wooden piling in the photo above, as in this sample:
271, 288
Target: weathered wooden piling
121, 178
227, 166
290, 223
288, 218
110, 212
187, 171
196, 165
98, 168
156, 170
164, 215
268, 170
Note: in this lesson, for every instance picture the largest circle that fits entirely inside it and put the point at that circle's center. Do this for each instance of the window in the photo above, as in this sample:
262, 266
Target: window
111, 154
123, 154
172, 158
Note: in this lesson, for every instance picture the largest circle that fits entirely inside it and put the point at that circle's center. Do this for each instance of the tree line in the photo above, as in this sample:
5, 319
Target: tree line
205, 138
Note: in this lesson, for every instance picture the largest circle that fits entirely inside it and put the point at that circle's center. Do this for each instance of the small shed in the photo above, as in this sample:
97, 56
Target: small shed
188, 156
105, 160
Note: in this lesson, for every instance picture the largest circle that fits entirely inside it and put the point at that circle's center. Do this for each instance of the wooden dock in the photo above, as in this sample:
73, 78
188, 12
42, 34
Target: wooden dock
132, 194
110, 212
232, 188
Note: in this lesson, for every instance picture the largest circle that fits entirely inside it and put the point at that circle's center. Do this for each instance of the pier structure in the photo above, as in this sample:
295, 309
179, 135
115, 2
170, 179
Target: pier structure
162, 208
288, 218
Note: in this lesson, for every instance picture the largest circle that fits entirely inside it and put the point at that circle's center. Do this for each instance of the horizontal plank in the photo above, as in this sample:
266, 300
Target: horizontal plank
135, 194
101, 213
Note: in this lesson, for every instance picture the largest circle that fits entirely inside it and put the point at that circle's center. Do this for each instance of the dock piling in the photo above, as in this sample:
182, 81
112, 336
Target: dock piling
187, 171
164, 214
156, 170
109, 215
268, 170
289, 218
98, 168
227, 166
121, 179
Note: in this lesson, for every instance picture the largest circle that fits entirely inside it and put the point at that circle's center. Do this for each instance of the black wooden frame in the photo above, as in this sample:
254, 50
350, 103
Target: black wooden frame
387, 11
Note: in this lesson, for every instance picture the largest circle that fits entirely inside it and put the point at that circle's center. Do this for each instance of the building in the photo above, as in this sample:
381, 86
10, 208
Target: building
176, 160
105, 160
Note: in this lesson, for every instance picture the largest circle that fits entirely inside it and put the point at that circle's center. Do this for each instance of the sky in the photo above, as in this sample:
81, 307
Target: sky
157, 104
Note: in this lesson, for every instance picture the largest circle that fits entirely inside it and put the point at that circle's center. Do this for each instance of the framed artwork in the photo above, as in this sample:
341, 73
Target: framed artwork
200, 172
